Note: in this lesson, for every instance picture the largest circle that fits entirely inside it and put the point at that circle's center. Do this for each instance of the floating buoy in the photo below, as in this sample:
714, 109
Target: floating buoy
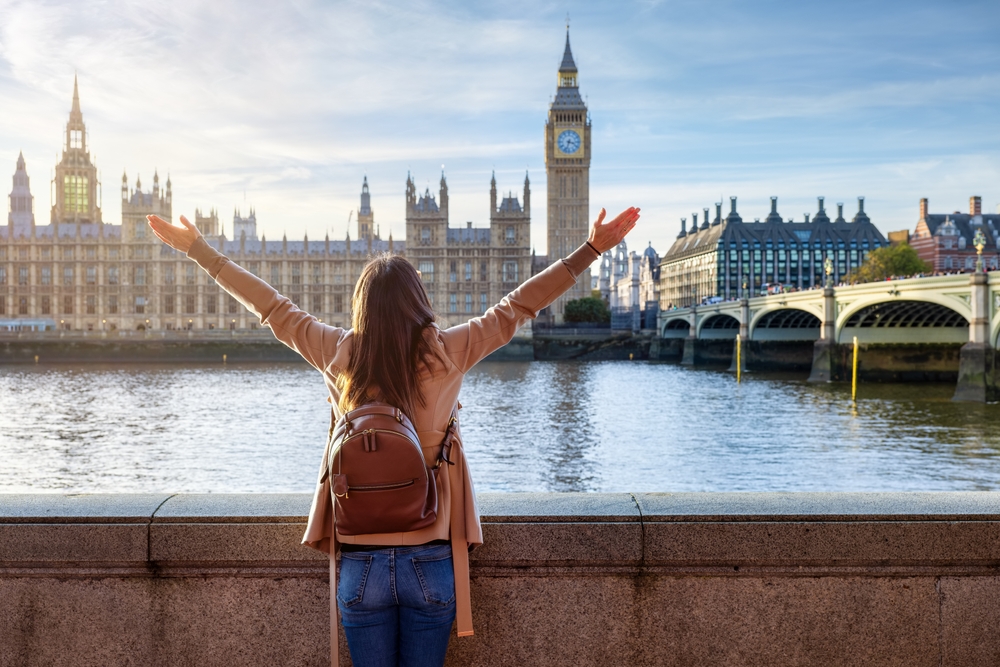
36, 358
223, 358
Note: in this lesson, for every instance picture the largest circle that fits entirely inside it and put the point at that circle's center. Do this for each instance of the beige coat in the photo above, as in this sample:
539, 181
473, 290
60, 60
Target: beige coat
328, 348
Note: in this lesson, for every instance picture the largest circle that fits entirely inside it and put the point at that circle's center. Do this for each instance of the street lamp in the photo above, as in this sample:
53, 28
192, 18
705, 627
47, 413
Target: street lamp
746, 282
979, 240
828, 269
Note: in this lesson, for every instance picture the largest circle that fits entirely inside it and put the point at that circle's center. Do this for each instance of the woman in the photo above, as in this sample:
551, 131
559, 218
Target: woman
399, 593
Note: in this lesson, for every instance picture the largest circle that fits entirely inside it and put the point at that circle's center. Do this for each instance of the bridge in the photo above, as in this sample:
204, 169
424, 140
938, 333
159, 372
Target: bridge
936, 328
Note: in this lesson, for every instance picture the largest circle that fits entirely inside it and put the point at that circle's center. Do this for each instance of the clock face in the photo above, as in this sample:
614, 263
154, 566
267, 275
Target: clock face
569, 142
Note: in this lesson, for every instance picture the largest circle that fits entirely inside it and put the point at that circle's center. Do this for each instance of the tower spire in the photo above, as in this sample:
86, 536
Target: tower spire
75, 112
567, 65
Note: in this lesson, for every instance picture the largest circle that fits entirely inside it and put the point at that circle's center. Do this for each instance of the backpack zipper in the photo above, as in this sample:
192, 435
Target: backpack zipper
381, 487
366, 434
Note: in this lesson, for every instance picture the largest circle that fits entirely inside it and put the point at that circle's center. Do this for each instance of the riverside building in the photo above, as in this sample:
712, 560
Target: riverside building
80, 273
713, 260
948, 240
466, 270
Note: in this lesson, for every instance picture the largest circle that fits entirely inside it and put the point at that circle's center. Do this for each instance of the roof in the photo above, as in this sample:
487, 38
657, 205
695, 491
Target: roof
510, 205
774, 229
964, 224
567, 64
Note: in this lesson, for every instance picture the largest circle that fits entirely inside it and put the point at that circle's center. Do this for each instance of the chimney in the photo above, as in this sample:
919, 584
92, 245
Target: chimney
975, 205
923, 208
732, 204
774, 205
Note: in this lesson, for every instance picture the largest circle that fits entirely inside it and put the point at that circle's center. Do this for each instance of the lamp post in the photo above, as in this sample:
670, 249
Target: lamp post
828, 269
979, 240
746, 282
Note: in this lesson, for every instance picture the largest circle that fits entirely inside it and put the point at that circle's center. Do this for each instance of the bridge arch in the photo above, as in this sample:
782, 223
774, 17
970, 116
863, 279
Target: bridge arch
923, 319
718, 326
677, 327
785, 324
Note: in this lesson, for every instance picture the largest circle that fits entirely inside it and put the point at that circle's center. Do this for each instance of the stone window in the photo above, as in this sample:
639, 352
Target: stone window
317, 303
168, 275
452, 303
3, 304
3, 275
22, 305
68, 304
68, 276
22, 275
425, 236
468, 270
468, 302
139, 305
112, 275
234, 306
296, 273
46, 305
317, 273
426, 269
91, 275
453, 271
482, 302
67, 254
338, 303
211, 304
190, 277
91, 304
189, 304
510, 272
139, 276
113, 304
168, 304
275, 273
482, 272
510, 236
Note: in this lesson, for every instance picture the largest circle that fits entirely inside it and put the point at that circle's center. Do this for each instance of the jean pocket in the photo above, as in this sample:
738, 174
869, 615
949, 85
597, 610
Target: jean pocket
437, 578
353, 574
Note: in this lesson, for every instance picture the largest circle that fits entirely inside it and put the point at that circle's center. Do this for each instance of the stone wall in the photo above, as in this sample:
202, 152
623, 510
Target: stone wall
563, 579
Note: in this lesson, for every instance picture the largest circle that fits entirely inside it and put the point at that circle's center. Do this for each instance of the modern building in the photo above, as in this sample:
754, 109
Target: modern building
466, 270
567, 170
79, 272
947, 241
715, 259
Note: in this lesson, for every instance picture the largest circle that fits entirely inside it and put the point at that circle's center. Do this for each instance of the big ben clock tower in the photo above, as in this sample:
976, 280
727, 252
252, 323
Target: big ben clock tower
567, 168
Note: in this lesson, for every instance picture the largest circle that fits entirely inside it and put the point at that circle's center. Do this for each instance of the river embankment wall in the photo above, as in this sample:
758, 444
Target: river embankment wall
563, 579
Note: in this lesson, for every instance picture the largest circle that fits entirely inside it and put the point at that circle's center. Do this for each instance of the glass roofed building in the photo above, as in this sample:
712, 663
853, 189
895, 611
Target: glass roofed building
713, 260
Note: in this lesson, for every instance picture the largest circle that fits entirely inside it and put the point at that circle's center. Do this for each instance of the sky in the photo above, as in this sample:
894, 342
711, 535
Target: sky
287, 106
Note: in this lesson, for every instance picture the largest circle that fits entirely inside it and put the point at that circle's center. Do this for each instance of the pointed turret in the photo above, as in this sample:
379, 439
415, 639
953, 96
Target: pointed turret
493, 193
75, 113
568, 65
21, 219
527, 194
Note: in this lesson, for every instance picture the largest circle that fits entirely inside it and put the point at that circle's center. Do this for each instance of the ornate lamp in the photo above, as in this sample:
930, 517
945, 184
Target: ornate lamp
979, 240
746, 281
828, 269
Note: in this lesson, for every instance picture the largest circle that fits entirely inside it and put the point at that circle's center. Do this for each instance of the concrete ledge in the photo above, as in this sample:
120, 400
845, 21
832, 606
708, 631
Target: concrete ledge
563, 579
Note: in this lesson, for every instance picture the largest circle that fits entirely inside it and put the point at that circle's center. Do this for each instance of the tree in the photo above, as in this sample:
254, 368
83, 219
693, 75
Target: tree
893, 260
588, 309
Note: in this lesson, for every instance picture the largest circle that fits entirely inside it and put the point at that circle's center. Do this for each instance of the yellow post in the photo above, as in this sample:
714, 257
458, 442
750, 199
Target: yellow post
224, 358
854, 374
739, 363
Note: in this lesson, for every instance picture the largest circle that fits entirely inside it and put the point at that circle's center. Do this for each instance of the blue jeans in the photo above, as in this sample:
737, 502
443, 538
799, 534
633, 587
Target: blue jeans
397, 605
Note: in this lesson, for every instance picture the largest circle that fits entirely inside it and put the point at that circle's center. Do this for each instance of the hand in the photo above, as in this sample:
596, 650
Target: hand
178, 238
606, 235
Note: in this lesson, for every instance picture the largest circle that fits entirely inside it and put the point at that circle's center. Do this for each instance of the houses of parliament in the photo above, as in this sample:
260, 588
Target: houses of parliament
80, 273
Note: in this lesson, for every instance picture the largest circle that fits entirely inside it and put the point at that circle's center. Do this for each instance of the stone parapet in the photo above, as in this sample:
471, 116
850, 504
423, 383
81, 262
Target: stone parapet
563, 579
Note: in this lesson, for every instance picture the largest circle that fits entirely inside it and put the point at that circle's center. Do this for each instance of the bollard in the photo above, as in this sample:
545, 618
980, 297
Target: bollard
630, 356
854, 374
223, 358
739, 362
36, 358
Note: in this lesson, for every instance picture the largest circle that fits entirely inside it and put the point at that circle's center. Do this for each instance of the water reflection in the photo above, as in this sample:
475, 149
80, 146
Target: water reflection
603, 426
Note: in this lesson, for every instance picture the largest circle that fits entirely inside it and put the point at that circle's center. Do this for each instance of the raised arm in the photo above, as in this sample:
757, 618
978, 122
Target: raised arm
318, 343
467, 344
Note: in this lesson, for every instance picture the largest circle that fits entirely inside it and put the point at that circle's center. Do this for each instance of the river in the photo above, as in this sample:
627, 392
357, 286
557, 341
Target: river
528, 426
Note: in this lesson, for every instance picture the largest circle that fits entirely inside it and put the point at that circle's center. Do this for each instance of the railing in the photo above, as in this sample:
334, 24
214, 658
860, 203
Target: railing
561, 579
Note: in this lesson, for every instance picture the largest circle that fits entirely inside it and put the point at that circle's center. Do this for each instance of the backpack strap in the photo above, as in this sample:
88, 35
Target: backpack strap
334, 611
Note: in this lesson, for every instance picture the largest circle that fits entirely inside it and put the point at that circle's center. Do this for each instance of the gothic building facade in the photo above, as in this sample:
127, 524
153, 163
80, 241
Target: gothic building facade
947, 241
80, 273
466, 270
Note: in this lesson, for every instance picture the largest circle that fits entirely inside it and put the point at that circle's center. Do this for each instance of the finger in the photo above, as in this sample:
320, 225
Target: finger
600, 218
187, 223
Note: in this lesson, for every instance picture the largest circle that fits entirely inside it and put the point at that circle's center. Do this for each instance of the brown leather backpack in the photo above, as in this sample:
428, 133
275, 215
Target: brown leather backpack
380, 482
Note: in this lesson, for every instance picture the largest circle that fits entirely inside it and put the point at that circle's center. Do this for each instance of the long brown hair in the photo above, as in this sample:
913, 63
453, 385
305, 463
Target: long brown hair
390, 312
